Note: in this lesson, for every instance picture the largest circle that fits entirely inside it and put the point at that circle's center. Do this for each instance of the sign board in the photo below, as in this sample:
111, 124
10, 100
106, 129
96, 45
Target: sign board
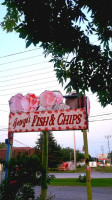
102, 157
52, 120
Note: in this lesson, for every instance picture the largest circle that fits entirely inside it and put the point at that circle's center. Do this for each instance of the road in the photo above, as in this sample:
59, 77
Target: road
76, 193
76, 175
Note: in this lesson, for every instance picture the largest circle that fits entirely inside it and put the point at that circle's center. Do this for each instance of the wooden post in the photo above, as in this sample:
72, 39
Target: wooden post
74, 151
88, 172
44, 165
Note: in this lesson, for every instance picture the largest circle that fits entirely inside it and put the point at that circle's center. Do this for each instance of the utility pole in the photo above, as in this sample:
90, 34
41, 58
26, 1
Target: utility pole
102, 149
108, 137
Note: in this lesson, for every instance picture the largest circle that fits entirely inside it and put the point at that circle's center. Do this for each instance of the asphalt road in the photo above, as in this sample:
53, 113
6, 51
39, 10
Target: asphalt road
76, 175
76, 193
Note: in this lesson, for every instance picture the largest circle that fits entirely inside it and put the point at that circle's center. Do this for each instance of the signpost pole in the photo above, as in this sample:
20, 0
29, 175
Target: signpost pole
74, 152
7, 157
44, 165
9, 142
88, 175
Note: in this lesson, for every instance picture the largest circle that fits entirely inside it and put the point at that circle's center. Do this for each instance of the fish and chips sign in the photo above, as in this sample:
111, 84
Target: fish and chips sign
32, 118
48, 120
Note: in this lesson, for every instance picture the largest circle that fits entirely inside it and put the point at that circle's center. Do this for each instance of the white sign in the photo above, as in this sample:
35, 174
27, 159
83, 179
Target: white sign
74, 119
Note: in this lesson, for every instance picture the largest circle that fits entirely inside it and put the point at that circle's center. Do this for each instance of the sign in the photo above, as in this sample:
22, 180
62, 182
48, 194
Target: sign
102, 157
52, 120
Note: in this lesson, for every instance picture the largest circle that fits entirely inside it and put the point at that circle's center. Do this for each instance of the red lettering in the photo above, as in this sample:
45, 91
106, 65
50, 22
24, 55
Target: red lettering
39, 122
74, 118
60, 119
70, 119
34, 119
79, 119
42, 121
21, 122
15, 123
66, 118
46, 121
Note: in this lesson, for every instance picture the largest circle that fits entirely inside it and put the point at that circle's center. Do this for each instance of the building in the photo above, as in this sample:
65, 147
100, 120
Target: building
16, 150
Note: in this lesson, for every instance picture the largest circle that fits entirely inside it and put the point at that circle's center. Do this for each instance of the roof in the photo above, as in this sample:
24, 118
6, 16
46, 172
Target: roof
18, 148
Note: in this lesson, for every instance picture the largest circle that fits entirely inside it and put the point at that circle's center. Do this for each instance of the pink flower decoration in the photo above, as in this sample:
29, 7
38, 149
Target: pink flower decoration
11, 182
47, 99
15, 103
30, 103
59, 97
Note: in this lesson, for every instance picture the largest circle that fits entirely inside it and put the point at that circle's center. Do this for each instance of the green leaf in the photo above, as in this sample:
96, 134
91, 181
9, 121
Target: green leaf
28, 43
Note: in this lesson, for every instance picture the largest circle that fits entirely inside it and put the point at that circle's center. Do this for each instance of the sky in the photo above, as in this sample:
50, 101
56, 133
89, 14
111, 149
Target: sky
28, 71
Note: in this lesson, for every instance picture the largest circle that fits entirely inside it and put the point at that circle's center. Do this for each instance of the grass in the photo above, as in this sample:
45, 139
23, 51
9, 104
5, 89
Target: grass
103, 169
97, 182
83, 170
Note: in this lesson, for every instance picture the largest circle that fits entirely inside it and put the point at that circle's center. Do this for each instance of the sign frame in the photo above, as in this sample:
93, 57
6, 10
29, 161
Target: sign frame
50, 120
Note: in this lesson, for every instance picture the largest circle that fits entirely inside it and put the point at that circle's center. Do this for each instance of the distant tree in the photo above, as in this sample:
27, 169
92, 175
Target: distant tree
54, 150
64, 29
2, 145
79, 155
67, 154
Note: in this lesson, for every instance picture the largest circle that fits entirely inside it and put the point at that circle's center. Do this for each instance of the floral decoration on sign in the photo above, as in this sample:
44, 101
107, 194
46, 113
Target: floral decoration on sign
31, 103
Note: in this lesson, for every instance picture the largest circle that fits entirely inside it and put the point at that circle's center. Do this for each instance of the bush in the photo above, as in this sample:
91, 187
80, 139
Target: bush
82, 178
24, 172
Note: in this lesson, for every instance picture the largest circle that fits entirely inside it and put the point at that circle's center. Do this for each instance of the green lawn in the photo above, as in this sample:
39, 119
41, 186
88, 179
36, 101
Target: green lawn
97, 182
83, 170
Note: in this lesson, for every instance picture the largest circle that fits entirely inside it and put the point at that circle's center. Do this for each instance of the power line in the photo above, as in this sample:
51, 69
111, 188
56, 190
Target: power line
16, 61
4, 129
19, 53
28, 81
101, 115
29, 85
100, 120
3, 134
38, 150
24, 72
34, 89
29, 75
3, 111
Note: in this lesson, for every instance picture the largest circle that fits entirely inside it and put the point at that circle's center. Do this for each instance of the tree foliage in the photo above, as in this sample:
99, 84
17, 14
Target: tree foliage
21, 170
54, 150
79, 156
2, 145
68, 154
24, 172
64, 29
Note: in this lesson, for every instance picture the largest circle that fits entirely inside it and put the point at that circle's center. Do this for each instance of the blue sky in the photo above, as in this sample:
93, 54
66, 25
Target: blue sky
28, 71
